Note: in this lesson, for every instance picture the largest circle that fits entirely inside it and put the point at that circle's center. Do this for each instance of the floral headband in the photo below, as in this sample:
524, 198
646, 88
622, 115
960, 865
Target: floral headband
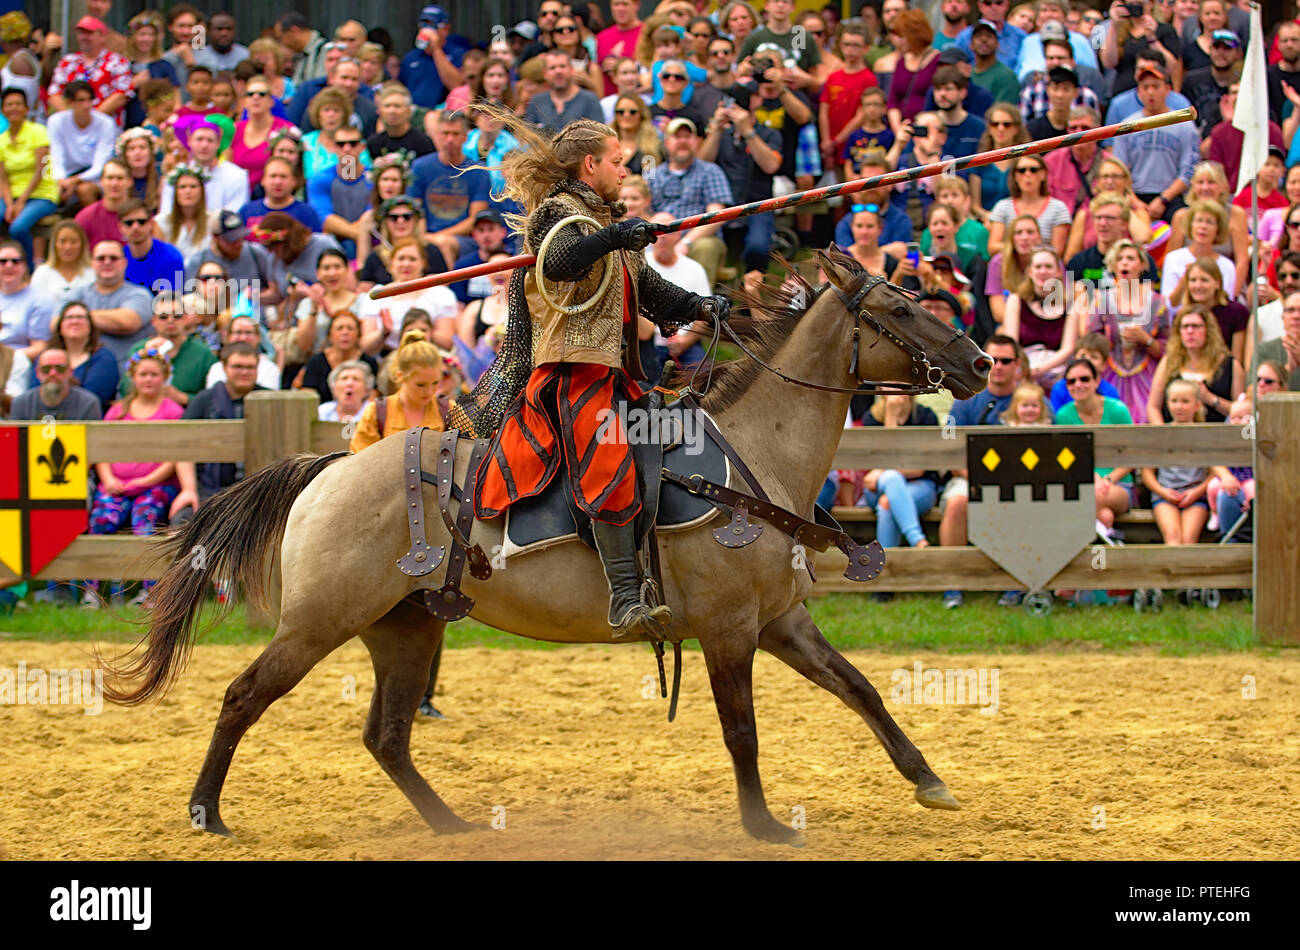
400, 158
264, 236
198, 171
130, 135
398, 201
291, 132
150, 353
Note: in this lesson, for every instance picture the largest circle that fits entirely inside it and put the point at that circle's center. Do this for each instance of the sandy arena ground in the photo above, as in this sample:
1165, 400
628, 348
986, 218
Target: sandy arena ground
584, 767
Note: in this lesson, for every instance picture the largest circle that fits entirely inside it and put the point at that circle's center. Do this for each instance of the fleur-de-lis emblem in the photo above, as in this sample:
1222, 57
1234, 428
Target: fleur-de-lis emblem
58, 463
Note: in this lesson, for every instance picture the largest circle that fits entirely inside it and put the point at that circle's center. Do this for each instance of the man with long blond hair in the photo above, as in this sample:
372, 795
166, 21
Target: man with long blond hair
554, 389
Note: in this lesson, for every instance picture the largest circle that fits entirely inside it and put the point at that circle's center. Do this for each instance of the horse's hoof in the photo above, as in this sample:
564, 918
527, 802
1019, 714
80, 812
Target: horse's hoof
460, 826
428, 711
937, 796
773, 832
212, 824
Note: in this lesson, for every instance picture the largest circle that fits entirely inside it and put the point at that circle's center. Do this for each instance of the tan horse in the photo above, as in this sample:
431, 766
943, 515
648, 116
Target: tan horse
326, 533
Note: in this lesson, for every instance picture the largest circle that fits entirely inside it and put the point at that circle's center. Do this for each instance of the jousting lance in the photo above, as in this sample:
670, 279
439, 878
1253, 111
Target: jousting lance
1139, 124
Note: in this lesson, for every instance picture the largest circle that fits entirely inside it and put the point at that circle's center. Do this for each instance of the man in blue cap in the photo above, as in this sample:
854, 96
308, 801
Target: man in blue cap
1207, 85
433, 67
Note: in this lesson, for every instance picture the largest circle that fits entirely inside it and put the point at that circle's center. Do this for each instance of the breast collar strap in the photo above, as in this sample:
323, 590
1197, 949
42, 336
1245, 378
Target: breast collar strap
928, 378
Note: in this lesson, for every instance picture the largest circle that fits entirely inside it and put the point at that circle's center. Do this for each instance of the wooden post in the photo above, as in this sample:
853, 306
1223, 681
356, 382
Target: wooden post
276, 424
1277, 519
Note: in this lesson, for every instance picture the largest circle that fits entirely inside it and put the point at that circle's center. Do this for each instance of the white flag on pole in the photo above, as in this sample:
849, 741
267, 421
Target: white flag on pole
1251, 112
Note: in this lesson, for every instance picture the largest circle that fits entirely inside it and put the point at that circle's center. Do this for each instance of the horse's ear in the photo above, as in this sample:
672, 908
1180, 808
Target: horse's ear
837, 267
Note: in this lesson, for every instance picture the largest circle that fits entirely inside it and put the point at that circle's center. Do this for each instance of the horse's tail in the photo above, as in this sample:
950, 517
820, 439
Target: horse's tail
227, 539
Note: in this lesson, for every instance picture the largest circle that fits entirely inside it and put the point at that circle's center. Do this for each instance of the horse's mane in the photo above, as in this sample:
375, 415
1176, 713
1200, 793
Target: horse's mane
774, 311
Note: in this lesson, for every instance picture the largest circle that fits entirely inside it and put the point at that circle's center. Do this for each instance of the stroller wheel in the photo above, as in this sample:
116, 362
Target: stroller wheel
1140, 600
1157, 599
1038, 604
1211, 598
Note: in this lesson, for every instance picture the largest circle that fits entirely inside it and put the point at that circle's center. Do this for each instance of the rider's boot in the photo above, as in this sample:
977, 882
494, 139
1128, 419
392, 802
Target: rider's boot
629, 616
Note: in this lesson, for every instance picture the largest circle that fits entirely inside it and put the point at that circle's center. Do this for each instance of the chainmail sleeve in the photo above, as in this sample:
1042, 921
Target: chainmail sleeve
664, 303
479, 412
567, 257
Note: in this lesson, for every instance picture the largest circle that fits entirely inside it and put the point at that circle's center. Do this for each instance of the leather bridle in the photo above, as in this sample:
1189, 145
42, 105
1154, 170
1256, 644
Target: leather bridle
929, 378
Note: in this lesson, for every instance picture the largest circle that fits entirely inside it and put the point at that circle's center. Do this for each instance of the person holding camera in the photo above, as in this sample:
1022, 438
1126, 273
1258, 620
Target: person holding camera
1133, 30
750, 155
920, 142
780, 32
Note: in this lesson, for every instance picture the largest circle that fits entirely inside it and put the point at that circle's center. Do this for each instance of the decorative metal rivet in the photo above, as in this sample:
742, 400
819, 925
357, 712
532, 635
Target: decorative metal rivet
419, 556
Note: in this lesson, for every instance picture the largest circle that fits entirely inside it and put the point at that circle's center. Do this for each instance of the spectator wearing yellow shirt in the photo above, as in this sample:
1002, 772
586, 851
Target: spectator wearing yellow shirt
28, 191
418, 369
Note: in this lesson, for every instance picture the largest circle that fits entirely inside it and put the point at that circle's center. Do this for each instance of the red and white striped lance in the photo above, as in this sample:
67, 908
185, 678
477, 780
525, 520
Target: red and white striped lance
1128, 127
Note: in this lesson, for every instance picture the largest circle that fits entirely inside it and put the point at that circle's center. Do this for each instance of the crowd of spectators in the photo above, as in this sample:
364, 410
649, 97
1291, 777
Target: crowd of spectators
193, 212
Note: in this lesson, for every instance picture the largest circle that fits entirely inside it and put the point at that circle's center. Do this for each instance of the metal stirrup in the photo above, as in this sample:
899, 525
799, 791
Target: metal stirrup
541, 274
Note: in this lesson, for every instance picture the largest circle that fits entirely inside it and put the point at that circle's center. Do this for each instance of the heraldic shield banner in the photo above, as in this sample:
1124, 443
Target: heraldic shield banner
1032, 504
43, 471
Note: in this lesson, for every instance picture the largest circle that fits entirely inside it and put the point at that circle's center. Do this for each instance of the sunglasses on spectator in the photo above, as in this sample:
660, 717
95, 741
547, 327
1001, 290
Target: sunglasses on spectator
50, 369
211, 276
1003, 124
1027, 169
815, 32
1077, 380
11, 260
401, 216
1293, 224
627, 112
1267, 381
1004, 360
131, 222
874, 209
566, 29
347, 143
993, 3
679, 76
701, 36
258, 93
109, 257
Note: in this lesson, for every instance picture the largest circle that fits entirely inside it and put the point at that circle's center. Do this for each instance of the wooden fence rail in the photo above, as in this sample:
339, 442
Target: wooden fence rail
282, 423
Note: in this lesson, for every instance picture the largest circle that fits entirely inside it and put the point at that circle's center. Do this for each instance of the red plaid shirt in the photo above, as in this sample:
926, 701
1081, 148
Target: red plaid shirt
110, 73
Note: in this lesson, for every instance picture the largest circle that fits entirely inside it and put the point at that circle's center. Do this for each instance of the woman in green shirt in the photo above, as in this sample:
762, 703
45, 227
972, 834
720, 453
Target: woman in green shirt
1113, 486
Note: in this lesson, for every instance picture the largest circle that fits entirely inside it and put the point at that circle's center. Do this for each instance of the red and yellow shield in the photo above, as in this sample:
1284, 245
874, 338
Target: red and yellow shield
43, 472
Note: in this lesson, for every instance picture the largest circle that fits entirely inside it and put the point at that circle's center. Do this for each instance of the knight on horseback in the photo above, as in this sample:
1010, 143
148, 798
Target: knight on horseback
570, 350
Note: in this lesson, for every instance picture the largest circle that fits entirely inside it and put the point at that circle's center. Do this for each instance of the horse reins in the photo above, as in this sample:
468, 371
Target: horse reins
922, 368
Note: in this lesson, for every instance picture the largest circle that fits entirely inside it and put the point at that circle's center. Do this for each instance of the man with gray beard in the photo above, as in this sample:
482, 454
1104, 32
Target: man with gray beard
56, 394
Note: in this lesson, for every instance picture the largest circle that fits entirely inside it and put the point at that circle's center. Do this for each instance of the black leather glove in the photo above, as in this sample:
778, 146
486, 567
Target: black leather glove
718, 305
632, 234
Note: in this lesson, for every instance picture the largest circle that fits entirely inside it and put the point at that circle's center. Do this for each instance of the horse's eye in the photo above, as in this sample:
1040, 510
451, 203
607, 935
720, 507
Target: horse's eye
900, 311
